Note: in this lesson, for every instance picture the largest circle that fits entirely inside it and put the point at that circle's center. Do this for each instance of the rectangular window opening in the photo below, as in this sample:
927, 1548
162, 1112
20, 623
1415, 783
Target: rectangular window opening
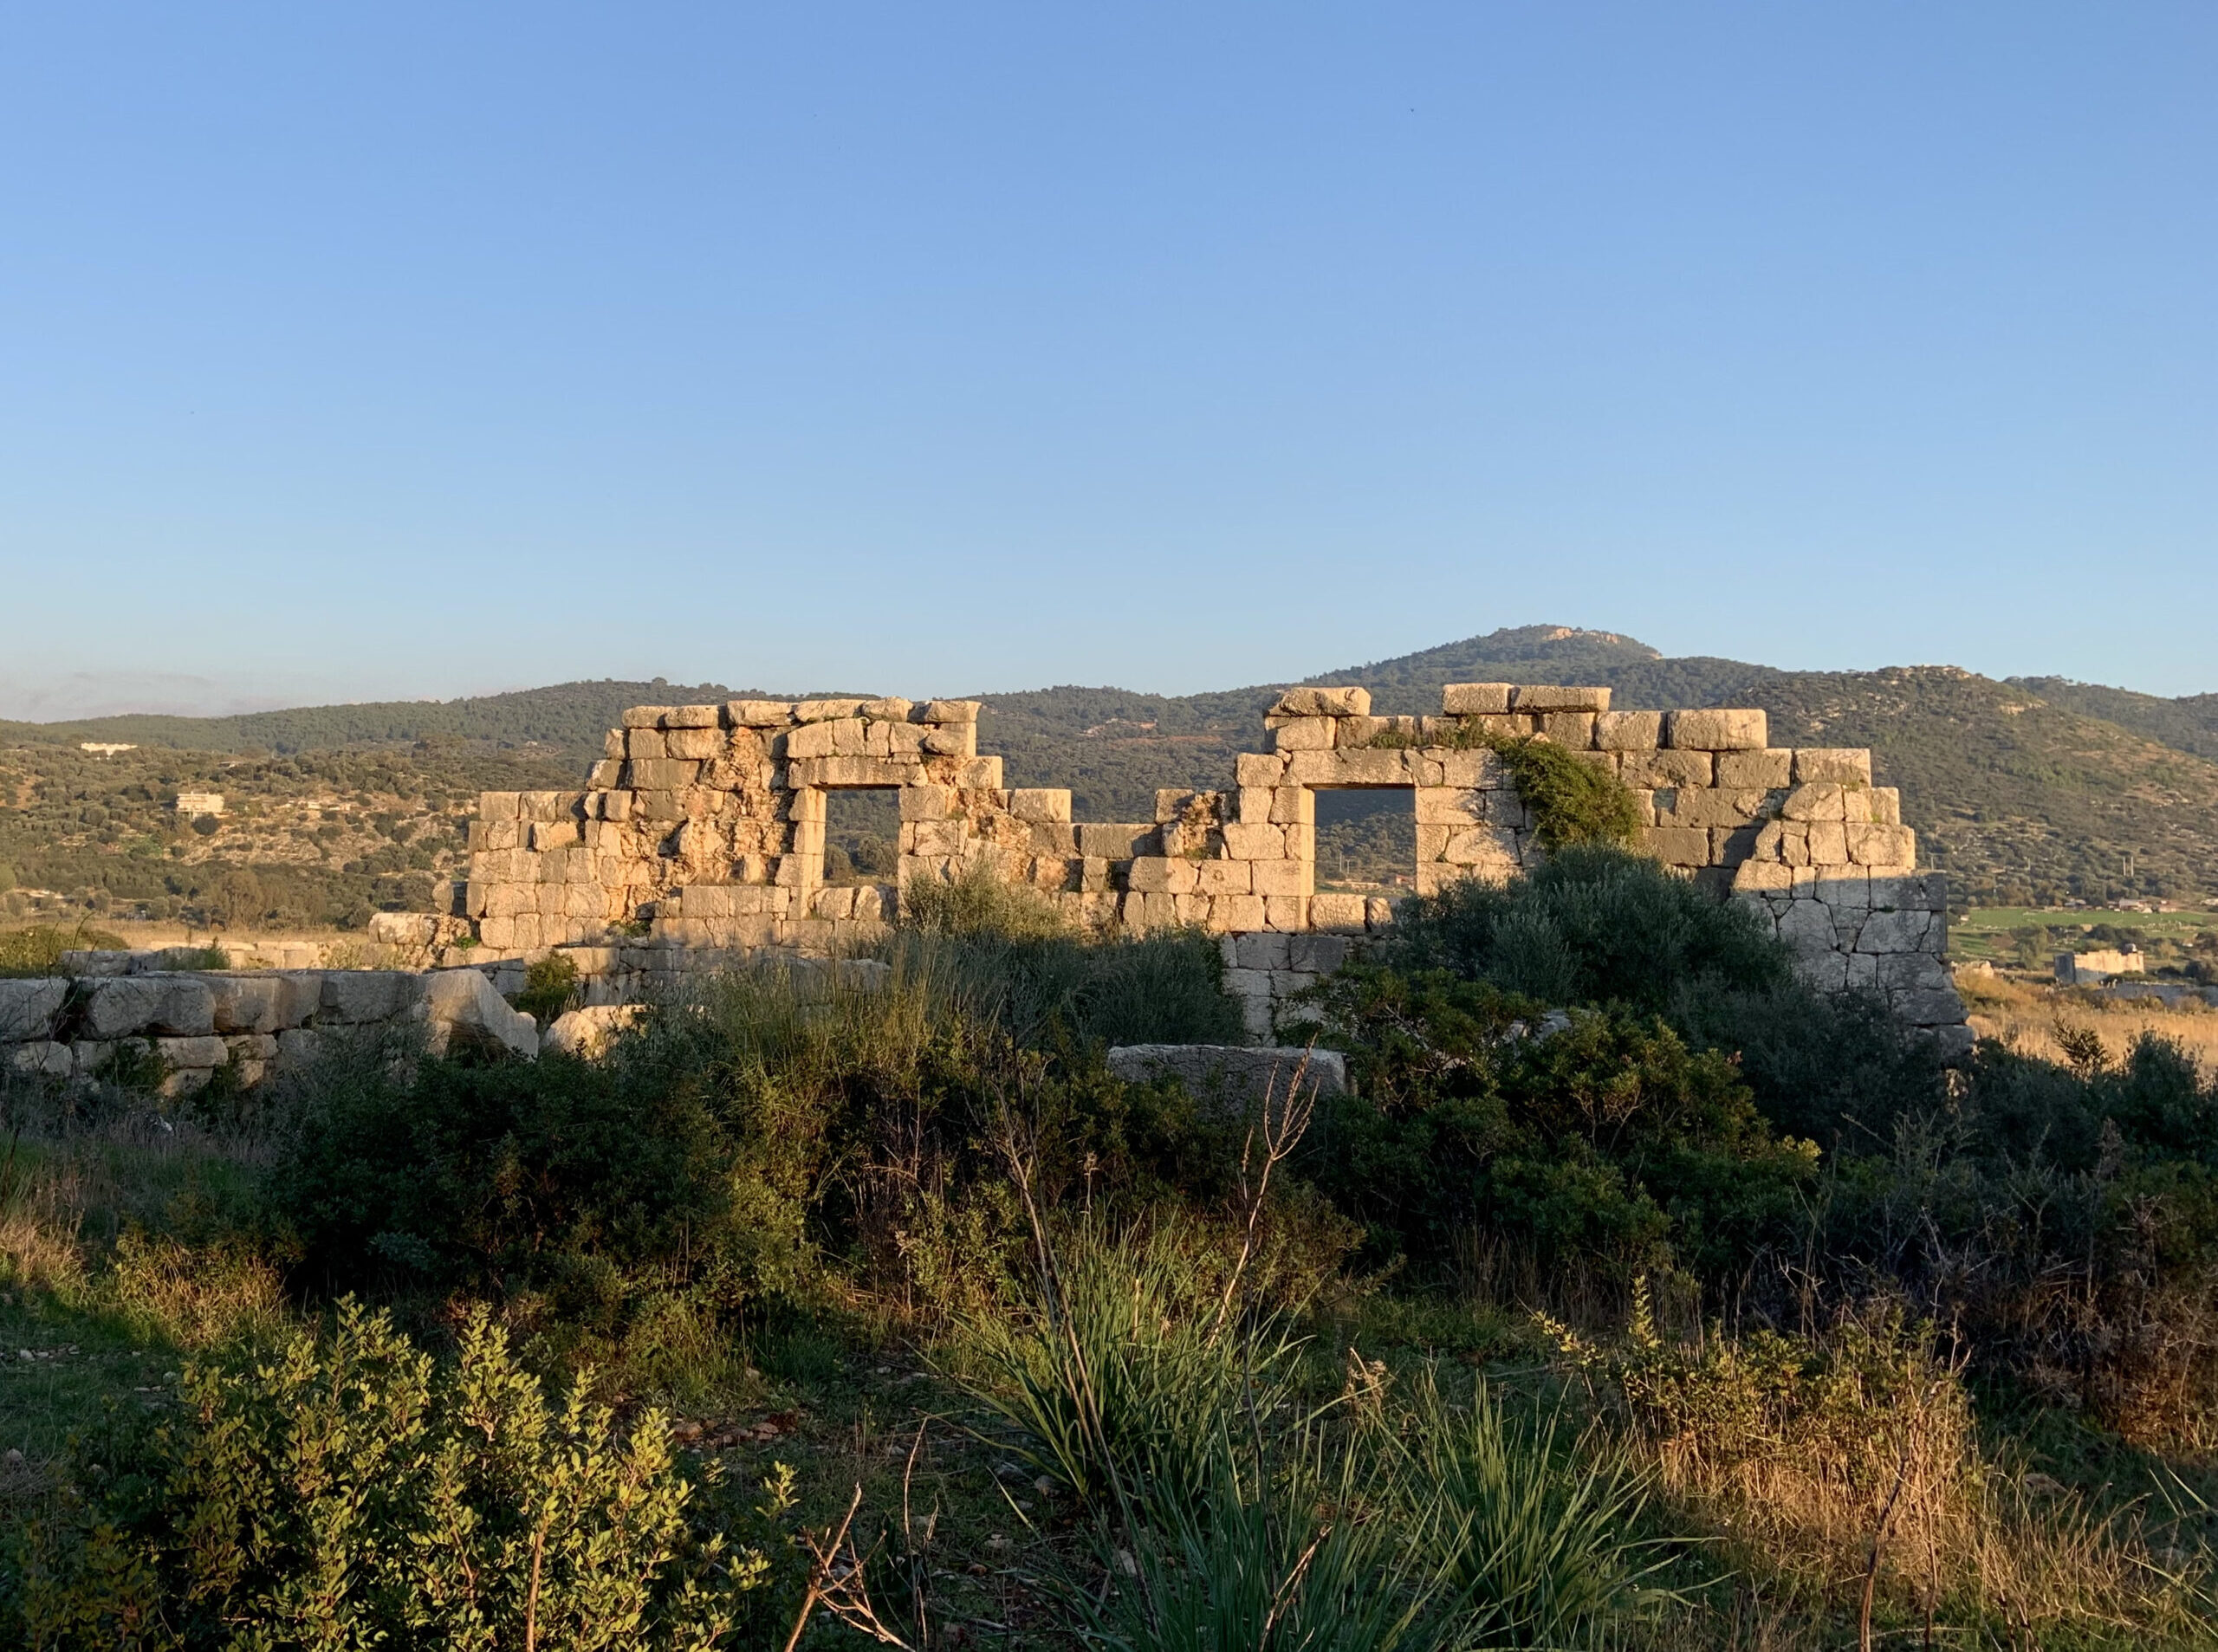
1366, 840
862, 832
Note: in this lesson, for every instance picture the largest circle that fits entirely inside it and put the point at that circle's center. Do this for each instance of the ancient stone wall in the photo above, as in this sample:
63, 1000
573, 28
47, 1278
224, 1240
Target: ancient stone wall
701, 834
254, 1022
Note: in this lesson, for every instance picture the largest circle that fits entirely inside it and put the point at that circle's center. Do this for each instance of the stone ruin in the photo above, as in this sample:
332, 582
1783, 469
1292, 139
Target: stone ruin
699, 837
698, 841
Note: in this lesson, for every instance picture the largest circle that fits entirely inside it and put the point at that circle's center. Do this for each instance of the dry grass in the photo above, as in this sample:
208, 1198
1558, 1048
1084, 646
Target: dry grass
1844, 1483
2026, 1017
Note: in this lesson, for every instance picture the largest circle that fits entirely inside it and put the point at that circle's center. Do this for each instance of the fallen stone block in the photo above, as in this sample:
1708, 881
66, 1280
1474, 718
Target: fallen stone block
466, 998
1232, 1077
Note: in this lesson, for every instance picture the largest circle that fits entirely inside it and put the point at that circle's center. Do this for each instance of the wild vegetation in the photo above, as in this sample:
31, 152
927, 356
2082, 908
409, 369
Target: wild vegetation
1636, 1297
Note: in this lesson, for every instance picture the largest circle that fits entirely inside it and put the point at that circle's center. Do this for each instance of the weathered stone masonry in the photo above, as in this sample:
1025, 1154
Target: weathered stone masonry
701, 834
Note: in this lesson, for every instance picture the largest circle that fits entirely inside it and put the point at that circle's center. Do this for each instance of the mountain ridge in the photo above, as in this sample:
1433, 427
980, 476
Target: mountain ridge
2031, 789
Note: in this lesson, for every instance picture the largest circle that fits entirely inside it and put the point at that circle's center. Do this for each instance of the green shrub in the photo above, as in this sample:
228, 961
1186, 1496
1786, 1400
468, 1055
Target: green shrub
550, 986
1573, 803
1593, 1137
1591, 925
351, 1492
452, 1172
978, 903
38, 949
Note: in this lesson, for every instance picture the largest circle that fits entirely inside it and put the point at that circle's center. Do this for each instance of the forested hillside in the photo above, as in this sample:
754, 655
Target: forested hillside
2031, 790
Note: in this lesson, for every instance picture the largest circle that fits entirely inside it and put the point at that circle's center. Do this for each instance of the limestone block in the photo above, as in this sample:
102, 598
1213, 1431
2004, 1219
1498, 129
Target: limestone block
646, 743
1628, 731
664, 775
645, 717
1152, 910
1301, 842
182, 1053
1287, 912
1251, 805
28, 1008
1492, 849
699, 744
1280, 878
1807, 927
1767, 770
1572, 729
1473, 770
1676, 845
1221, 878
907, 738
1822, 800
879, 773
253, 1004
1293, 806
608, 771
758, 714
1259, 769
1752, 876
693, 716
1323, 703
1163, 875
1911, 891
1709, 806
1306, 734
173, 1005
43, 1057
1233, 1078
1237, 912
949, 711
1844, 887
810, 740
357, 996
1476, 699
1841, 765
1114, 842
1342, 912
1658, 770
1882, 845
1265, 842
976, 773
1244, 983
1897, 931
1367, 767
1040, 803
825, 710
617, 806
1261, 949
1318, 955
1356, 732
553, 834
1055, 838
1550, 697
1717, 730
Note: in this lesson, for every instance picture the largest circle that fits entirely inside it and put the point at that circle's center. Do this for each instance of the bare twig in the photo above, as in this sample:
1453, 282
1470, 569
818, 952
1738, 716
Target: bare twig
837, 1582
1283, 1124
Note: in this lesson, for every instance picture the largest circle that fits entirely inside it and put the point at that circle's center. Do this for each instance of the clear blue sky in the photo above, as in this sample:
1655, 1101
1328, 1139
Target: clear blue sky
405, 349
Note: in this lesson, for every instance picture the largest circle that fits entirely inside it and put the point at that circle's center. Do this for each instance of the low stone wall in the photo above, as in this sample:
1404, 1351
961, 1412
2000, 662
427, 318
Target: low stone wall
254, 1022
703, 831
